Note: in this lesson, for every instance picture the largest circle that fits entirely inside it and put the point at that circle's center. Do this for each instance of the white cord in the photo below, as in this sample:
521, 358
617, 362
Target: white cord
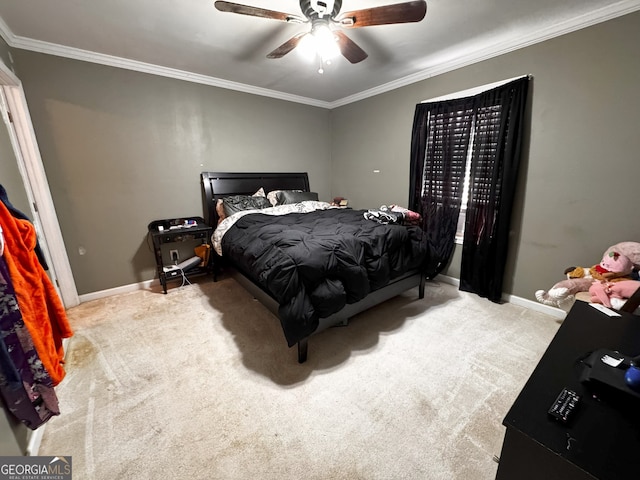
1, 242
185, 280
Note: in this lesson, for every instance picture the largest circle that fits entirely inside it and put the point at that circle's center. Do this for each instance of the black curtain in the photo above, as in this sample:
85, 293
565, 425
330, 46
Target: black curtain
495, 160
439, 149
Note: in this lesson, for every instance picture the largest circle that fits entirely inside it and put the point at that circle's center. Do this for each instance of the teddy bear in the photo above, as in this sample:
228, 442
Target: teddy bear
614, 266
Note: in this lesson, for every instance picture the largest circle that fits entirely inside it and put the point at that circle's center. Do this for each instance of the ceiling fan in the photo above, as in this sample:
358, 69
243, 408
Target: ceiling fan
325, 19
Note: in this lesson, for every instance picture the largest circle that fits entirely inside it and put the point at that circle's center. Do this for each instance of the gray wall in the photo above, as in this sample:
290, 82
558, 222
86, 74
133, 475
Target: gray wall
122, 148
581, 164
5, 53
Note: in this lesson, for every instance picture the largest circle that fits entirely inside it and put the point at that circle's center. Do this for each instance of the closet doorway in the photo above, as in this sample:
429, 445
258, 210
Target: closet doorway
34, 192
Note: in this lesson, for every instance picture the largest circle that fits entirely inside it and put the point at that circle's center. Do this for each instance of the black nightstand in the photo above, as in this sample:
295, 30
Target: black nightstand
180, 231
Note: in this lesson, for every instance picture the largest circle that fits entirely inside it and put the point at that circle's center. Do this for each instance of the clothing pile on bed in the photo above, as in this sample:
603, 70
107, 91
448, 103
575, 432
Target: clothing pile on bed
393, 214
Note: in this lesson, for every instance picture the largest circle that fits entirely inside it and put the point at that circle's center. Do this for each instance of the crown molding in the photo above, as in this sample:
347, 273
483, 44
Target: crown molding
515, 42
127, 64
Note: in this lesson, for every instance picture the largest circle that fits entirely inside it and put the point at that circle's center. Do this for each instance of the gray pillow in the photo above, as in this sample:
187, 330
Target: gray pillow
285, 197
238, 203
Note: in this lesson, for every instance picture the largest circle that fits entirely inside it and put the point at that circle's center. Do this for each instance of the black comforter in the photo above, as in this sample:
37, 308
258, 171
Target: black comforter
314, 263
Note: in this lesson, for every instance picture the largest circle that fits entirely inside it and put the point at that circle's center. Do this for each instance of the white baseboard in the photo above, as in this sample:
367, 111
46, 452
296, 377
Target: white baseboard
537, 306
523, 302
450, 280
35, 439
146, 285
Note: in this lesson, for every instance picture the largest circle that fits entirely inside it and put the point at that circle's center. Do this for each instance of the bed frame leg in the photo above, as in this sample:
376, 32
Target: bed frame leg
421, 287
302, 350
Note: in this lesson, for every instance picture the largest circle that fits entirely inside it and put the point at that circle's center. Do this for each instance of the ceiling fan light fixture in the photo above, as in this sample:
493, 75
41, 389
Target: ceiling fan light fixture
321, 44
307, 47
326, 45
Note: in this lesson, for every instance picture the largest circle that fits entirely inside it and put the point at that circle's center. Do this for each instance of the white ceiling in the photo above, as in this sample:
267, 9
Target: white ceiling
190, 39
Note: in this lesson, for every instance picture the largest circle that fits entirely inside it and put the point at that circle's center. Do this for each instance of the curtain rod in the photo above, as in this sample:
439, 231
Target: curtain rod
475, 90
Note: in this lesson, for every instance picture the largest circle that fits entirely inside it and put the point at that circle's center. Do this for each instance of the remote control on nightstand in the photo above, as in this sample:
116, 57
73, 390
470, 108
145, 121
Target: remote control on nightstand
564, 406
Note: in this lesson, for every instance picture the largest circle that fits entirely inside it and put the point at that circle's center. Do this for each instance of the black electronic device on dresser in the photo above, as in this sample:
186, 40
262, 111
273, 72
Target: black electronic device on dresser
591, 430
174, 243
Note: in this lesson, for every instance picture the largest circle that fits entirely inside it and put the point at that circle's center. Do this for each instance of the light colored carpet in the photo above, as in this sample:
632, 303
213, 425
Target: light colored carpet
200, 384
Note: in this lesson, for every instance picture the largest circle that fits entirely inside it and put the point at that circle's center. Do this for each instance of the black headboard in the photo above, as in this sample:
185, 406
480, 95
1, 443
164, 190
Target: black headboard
216, 185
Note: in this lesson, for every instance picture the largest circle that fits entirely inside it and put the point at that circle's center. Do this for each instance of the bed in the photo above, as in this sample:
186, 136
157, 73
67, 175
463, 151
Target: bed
358, 278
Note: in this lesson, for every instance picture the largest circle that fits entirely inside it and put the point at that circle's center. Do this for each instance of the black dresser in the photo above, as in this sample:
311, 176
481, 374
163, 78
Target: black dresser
602, 439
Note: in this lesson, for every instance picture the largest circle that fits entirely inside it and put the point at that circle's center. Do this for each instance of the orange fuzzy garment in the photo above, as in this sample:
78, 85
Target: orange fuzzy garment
41, 308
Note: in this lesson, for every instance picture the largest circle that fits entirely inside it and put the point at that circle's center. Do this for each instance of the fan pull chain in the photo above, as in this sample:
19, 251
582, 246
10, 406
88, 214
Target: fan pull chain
322, 62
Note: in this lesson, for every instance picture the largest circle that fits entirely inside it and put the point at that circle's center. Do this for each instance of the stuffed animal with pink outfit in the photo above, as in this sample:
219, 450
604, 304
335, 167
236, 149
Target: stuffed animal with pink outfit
617, 264
603, 292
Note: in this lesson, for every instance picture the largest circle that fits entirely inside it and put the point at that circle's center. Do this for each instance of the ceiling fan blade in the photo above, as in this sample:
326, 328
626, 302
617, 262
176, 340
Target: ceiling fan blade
287, 46
257, 12
349, 49
399, 13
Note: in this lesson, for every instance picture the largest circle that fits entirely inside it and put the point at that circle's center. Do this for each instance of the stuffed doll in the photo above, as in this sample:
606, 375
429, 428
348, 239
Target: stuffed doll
606, 292
630, 250
613, 267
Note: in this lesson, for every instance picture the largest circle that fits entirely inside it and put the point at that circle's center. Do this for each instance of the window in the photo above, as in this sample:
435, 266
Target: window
467, 146
467, 174
465, 189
